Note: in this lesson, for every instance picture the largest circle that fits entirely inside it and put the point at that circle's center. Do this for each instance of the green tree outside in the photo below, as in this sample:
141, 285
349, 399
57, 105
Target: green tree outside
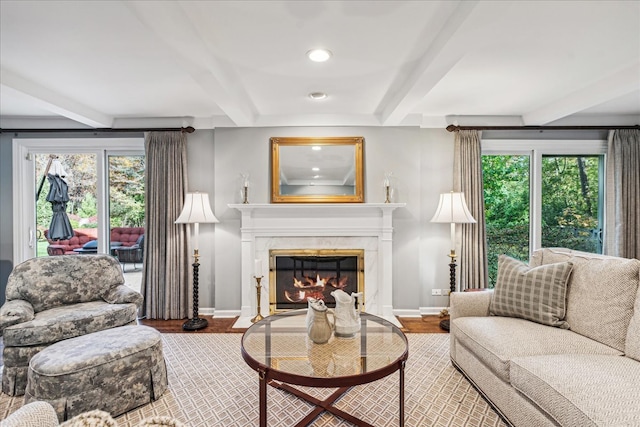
570, 203
127, 196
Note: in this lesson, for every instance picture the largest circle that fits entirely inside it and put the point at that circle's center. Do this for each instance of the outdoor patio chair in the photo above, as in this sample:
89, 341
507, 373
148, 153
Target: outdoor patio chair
131, 254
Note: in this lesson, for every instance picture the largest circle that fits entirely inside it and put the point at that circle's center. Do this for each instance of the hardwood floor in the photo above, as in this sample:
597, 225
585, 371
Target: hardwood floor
424, 324
219, 325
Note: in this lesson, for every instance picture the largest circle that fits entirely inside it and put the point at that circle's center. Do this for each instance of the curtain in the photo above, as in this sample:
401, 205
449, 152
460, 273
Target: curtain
467, 169
166, 271
623, 194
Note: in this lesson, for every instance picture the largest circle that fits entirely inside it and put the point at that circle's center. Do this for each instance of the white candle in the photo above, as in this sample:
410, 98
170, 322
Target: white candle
196, 232
386, 182
257, 270
453, 237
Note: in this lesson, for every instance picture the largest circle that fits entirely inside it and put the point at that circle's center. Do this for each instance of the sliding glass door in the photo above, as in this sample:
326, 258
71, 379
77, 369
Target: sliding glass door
66, 192
542, 194
90, 200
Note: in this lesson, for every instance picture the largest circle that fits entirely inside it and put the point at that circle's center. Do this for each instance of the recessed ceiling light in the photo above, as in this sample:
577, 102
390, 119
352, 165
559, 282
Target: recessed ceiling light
315, 169
317, 95
319, 55
316, 176
316, 148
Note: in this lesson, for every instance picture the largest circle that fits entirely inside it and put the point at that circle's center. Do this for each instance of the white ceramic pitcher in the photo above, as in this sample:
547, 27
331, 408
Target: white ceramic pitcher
347, 318
319, 328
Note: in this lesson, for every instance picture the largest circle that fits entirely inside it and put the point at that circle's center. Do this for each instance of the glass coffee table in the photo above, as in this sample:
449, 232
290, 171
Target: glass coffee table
278, 348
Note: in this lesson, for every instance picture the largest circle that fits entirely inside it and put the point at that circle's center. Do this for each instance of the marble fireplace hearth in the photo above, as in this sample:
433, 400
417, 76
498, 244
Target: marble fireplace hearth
365, 226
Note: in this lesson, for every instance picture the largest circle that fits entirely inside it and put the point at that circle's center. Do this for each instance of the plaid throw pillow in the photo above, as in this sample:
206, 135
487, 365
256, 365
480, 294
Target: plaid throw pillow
537, 294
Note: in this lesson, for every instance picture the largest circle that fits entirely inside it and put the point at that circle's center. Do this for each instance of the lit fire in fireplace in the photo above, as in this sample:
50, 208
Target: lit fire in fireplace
299, 274
309, 287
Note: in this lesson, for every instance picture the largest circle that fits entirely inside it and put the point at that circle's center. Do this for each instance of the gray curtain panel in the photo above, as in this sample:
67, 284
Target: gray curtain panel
468, 179
623, 194
167, 266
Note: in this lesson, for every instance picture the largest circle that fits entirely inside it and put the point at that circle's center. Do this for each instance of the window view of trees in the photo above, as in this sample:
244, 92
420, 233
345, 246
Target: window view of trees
570, 201
126, 179
126, 192
506, 200
81, 181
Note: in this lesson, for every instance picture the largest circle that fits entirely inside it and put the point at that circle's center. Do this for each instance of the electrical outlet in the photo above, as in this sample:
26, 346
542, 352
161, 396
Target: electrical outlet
436, 292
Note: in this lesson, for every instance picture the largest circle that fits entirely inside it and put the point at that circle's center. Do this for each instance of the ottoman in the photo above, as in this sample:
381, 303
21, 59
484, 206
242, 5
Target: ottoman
114, 370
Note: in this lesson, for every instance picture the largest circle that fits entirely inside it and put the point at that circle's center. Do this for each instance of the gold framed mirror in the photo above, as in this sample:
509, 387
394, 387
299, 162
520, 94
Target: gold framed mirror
317, 169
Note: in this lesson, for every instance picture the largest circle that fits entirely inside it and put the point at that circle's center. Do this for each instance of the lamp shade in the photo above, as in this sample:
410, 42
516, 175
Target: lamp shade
196, 209
453, 209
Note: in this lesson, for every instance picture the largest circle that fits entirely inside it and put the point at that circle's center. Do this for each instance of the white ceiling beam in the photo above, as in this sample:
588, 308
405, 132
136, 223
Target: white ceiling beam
329, 119
49, 100
614, 86
430, 69
176, 30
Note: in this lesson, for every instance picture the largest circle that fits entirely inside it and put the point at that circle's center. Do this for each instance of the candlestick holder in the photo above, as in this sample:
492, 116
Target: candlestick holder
387, 194
258, 316
245, 195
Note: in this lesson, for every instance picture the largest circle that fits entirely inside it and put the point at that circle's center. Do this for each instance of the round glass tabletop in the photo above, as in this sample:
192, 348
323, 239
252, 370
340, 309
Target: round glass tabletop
279, 344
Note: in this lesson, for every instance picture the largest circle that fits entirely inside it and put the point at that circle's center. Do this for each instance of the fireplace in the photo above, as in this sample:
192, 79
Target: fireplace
296, 275
316, 226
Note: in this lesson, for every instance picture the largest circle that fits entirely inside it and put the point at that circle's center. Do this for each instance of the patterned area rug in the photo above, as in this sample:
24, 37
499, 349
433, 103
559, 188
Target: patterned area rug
210, 385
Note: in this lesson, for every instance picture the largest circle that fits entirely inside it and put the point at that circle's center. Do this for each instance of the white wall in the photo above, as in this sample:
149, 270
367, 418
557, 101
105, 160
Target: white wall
421, 161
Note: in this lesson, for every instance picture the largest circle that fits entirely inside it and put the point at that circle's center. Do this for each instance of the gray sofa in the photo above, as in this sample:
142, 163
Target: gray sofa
50, 299
582, 371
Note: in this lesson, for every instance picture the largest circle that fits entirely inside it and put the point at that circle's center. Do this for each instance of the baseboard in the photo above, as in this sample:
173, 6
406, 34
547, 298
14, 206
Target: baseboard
430, 311
406, 313
206, 311
226, 313
422, 311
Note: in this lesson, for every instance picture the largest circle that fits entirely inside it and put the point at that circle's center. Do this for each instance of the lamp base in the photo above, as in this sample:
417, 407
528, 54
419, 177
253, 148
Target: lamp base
195, 324
444, 324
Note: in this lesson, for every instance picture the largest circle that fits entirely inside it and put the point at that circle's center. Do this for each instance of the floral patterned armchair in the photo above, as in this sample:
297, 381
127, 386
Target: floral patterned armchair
50, 299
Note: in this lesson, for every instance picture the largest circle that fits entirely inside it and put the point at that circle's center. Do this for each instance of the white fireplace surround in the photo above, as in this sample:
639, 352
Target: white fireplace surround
367, 226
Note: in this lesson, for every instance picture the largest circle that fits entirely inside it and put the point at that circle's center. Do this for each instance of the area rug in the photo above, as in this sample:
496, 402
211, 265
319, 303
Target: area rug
210, 385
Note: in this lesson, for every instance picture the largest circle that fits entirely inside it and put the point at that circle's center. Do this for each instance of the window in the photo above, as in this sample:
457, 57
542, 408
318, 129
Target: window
100, 177
542, 194
507, 208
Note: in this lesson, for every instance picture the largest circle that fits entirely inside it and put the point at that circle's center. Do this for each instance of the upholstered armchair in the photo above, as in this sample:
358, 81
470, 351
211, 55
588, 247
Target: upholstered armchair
50, 299
42, 414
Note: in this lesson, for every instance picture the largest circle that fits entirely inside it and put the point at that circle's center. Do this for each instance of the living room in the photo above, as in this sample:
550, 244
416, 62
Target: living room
401, 114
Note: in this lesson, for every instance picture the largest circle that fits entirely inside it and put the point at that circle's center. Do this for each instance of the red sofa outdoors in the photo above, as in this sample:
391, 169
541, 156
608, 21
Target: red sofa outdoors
120, 237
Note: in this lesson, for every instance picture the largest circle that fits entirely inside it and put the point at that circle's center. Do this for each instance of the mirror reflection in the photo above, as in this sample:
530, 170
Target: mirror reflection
317, 170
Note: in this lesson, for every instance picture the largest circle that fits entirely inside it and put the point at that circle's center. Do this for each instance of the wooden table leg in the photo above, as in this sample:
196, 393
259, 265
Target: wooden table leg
263, 398
401, 392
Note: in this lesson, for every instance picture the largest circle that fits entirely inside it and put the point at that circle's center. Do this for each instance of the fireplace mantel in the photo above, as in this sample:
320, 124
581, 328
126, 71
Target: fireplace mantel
315, 226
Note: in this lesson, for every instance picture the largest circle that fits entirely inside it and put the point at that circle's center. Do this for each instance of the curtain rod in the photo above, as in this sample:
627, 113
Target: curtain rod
454, 128
188, 129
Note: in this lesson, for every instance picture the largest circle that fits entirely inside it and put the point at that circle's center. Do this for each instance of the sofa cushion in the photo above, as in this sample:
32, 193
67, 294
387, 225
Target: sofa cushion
127, 236
537, 294
497, 340
601, 293
69, 321
632, 344
581, 390
48, 282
